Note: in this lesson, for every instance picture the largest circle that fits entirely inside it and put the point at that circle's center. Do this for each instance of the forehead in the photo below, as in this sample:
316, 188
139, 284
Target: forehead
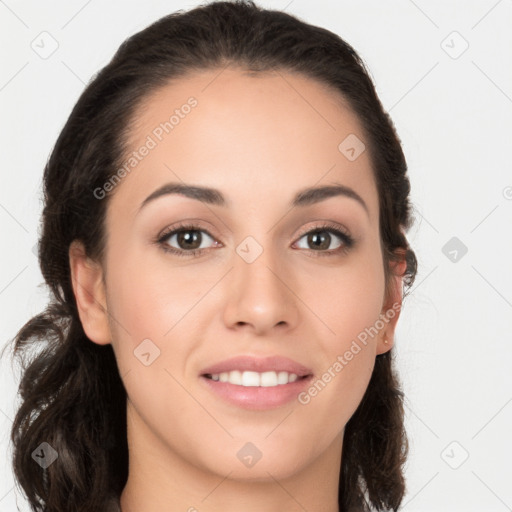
254, 136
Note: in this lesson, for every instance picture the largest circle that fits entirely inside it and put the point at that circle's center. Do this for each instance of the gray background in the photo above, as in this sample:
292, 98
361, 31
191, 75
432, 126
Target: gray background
452, 108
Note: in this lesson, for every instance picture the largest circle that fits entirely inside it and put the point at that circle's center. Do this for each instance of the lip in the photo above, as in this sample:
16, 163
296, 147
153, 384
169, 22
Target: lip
258, 364
257, 398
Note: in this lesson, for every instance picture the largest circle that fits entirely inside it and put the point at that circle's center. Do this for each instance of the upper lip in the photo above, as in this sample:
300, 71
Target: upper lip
258, 364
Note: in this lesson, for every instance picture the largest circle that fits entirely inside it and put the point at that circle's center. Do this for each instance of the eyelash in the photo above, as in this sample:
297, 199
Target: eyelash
347, 241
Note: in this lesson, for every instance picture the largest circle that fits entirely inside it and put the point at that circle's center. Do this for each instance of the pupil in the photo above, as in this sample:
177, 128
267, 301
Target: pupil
185, 236
318, 237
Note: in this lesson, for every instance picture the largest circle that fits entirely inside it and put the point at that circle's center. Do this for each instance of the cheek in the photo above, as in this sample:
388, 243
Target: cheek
149, 310
337, 390
349, 305
149, 298
148, 302
347, 299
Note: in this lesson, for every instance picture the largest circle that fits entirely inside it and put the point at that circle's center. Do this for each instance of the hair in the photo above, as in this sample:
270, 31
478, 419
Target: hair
72, 395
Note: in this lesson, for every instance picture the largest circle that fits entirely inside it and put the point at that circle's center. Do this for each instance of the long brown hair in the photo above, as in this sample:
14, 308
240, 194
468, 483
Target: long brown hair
72, 396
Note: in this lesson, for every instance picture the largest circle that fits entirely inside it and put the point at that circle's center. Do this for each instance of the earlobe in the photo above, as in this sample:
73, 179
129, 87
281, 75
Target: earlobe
89, 290
392, 306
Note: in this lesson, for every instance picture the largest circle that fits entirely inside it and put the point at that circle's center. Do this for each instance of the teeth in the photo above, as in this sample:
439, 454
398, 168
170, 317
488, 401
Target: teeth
254, 379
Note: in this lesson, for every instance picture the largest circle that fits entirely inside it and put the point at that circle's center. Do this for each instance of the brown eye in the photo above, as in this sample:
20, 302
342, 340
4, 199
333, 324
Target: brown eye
326, 240
319, 240
185, 240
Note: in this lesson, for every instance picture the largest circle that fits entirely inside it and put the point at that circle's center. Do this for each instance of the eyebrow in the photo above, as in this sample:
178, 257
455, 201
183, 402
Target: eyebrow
215, 197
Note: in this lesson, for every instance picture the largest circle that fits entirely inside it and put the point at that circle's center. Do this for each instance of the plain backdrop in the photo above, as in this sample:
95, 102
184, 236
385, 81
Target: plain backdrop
443, 71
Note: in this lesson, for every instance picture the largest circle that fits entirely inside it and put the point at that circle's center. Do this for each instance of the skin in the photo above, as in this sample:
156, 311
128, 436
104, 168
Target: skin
259, 140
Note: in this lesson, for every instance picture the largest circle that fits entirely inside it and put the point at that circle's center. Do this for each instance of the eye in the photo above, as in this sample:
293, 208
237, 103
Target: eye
320, 238
188, 238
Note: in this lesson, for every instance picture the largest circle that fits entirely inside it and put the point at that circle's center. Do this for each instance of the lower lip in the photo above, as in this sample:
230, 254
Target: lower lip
257, 398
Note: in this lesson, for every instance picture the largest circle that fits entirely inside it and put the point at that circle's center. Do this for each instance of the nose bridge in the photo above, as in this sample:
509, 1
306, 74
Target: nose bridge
256, 265
259, 295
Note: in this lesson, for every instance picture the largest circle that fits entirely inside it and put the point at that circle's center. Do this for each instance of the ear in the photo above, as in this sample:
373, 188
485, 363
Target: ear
89, 290
392, 304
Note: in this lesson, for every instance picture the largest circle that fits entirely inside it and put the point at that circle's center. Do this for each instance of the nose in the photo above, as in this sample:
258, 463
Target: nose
260, 296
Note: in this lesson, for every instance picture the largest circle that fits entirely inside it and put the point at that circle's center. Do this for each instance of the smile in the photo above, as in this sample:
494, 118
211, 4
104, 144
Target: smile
254, 379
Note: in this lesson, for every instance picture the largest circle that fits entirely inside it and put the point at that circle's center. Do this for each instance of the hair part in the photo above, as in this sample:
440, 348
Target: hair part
72, 395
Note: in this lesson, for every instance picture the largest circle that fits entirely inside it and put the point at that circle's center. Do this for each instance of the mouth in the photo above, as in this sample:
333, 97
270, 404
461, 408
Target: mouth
256, 379
255, 383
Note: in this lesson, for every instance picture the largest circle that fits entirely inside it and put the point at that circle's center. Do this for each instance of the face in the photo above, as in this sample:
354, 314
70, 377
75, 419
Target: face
247, 272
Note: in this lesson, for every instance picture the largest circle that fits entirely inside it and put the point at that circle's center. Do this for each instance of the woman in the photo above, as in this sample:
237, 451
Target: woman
224, 241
